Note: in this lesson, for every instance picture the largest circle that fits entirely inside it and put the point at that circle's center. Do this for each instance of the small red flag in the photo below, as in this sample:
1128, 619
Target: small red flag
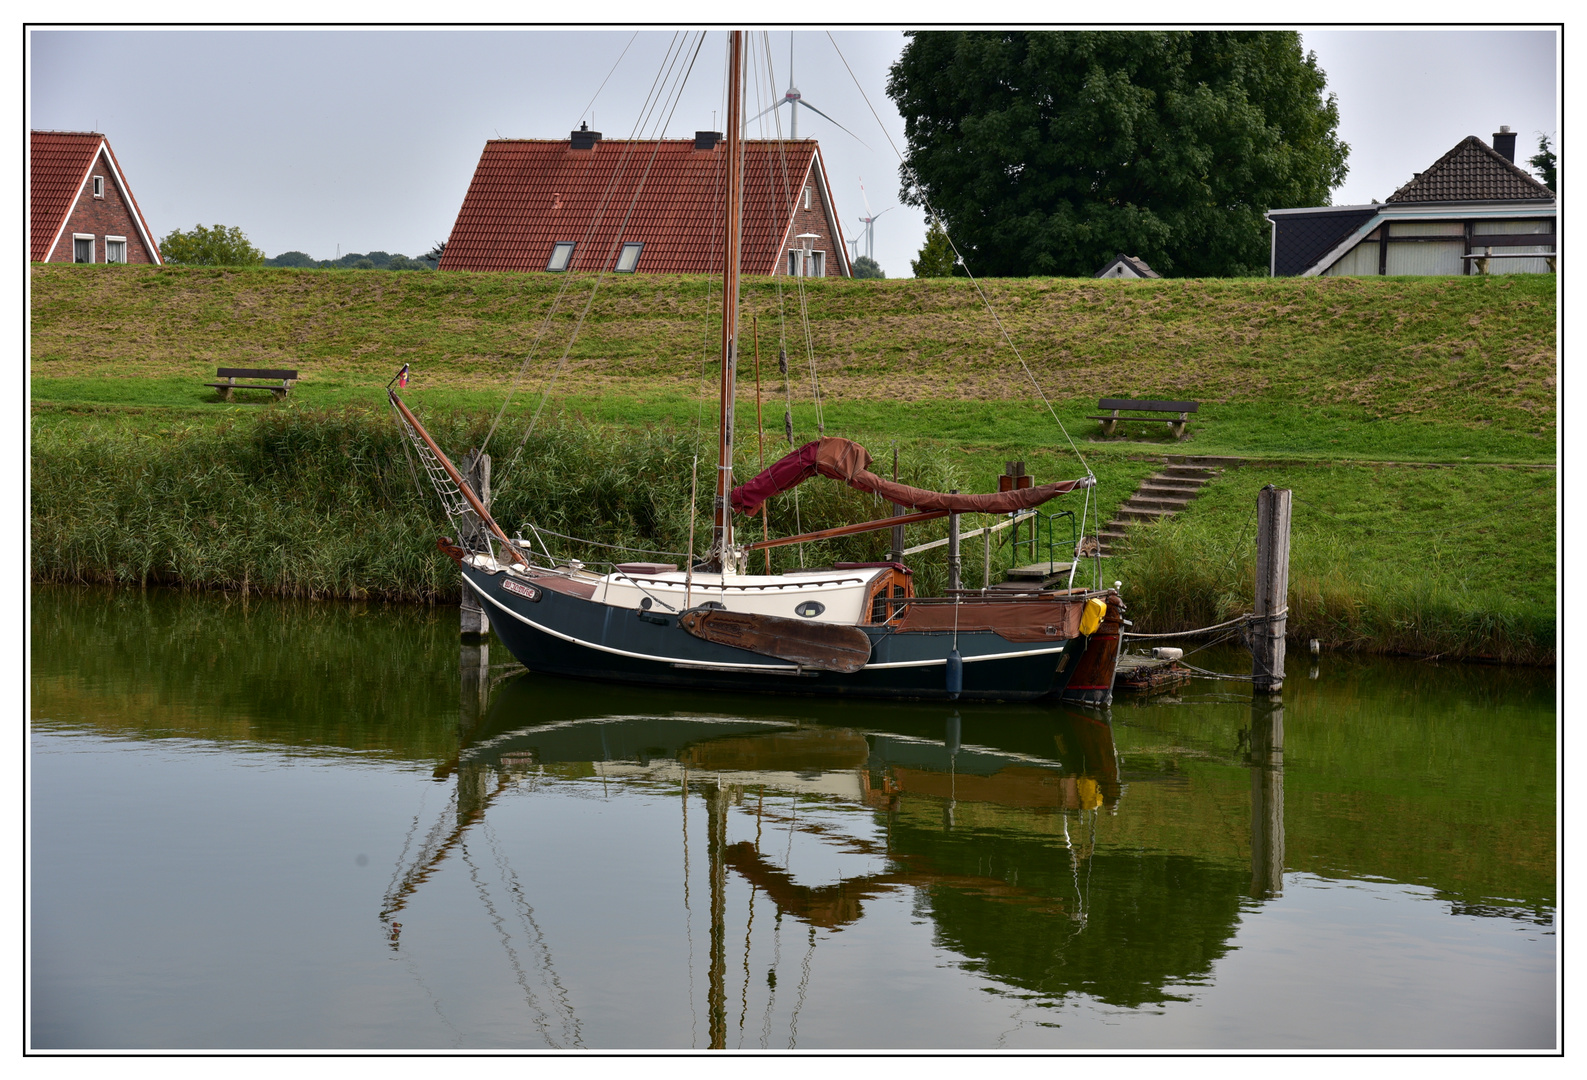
402, 376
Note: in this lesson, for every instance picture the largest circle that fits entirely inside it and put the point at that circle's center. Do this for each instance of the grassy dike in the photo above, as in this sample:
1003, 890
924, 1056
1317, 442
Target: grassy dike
140, 477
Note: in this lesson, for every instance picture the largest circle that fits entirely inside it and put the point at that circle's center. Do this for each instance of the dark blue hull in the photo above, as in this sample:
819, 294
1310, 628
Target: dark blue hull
561, 634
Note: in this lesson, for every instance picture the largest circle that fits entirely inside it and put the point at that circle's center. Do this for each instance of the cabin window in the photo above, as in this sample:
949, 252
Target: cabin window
561, 253
115, 249
82, 248
629, 258
99, 187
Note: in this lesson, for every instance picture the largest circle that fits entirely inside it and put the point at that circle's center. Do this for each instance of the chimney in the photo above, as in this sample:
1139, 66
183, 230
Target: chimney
707, 140
583, 138
1504, 143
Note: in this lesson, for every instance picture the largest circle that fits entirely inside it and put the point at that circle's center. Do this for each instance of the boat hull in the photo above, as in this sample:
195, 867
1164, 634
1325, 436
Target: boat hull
557, 633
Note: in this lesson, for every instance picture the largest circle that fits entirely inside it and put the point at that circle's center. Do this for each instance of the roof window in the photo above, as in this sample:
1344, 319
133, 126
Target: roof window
628, 258
561, 252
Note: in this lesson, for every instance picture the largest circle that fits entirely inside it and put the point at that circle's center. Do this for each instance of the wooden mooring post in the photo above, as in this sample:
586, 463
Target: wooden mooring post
475, 626
1272, 589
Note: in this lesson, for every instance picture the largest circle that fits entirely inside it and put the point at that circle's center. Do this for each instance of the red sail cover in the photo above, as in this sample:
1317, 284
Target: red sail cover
850, 462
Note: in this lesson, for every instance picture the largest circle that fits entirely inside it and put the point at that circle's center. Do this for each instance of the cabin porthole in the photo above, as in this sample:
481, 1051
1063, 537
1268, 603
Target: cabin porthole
645, 603
810, 609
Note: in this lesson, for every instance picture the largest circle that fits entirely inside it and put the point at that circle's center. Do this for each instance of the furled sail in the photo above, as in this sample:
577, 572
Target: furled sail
850, 462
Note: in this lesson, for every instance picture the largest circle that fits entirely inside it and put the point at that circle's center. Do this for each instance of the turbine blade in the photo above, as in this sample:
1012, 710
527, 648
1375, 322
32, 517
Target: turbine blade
840, 127
763, 112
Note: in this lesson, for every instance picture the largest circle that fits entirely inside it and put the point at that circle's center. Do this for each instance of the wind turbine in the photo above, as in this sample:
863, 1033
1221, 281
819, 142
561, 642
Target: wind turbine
793, 99
869, 221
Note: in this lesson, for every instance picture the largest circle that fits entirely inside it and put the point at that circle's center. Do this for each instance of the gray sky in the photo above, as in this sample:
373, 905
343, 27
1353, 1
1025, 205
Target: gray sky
367, 138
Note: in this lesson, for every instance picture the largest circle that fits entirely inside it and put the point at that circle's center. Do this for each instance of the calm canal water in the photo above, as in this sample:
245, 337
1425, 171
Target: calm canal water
265, 825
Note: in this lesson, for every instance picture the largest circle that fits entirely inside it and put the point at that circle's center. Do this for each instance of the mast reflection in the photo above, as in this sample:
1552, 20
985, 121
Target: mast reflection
991, 827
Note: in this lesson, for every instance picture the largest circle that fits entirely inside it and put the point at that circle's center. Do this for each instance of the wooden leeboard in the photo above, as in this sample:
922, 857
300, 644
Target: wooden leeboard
827, 646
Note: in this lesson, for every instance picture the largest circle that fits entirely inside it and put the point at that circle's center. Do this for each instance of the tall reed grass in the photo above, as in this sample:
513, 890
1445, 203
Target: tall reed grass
1185, 573
323, 504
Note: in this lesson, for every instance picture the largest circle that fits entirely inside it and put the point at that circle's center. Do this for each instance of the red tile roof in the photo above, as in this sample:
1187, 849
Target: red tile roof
58, 165
529, 194
1472, 171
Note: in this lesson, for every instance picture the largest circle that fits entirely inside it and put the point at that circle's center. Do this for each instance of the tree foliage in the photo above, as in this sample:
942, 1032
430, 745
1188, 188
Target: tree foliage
218, 245
293, 258
936, 255
867, 267
1050, 152
1544, 163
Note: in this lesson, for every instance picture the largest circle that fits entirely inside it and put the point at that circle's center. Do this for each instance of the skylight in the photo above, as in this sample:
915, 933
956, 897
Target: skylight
560, 254
629, 258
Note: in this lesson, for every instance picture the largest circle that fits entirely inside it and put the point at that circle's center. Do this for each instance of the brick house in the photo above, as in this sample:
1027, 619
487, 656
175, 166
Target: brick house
1472, 211
80, 208
650, 206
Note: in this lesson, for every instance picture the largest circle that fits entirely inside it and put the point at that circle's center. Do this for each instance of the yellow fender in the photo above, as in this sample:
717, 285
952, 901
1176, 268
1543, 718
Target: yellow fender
1095, 611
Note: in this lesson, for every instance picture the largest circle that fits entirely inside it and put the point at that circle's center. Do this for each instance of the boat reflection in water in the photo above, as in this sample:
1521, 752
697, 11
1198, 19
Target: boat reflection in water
894, 790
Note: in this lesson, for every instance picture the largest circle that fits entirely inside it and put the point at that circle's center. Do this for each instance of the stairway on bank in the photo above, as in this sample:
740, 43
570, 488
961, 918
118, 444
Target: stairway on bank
1163, 494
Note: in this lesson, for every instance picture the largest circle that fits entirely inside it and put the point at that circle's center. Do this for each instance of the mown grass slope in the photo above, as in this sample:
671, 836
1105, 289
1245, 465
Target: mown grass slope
1424, 368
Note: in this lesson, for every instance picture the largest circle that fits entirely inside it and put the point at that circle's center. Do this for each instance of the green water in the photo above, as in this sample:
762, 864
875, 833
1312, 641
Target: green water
265, 825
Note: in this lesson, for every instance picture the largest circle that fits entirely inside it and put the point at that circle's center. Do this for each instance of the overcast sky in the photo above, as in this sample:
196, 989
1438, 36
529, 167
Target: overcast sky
365, 139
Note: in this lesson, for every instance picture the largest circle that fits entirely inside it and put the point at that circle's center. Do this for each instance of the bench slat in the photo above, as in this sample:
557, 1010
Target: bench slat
253, 373
1140, 419
1148, 406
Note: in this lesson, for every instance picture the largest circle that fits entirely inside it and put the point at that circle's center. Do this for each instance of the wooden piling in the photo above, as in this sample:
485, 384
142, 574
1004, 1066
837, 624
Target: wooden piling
1272, 589
475, 626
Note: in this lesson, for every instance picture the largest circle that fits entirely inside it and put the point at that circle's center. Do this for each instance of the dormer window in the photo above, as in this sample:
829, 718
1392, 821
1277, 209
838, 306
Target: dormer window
561, 253
629, 258
99, 187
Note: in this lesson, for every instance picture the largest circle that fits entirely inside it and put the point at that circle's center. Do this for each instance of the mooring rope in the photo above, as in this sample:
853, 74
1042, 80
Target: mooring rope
1240, 621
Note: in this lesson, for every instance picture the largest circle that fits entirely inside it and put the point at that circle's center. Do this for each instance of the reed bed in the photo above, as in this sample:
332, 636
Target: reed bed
1194, 572
324, 504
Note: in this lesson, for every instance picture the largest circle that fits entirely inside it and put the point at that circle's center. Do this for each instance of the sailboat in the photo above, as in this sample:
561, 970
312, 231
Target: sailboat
852, 629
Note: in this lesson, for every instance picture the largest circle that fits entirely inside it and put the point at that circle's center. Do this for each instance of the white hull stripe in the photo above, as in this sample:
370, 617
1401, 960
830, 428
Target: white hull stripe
718, 665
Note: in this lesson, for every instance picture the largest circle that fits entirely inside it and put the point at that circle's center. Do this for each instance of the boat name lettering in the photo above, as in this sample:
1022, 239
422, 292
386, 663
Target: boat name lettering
528, 592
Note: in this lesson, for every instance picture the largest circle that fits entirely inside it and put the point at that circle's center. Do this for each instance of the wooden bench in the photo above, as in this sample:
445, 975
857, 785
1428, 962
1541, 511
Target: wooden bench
1176, 423
232, 374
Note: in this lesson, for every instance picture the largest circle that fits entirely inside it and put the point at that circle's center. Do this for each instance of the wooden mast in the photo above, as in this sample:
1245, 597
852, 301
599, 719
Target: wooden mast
721, 557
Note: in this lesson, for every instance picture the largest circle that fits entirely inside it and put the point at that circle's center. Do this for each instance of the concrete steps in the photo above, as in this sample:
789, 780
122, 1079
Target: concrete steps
1163, 494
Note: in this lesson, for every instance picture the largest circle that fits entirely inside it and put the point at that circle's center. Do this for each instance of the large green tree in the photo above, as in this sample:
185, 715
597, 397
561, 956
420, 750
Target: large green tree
217, 245
1050, 152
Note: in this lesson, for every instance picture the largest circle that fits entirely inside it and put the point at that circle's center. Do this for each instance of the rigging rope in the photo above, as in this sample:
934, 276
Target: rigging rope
617, 172
669, 62
919, 188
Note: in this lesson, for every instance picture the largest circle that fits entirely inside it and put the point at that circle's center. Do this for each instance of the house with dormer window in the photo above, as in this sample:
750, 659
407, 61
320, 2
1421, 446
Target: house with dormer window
1473, 211
644, 206
80, 208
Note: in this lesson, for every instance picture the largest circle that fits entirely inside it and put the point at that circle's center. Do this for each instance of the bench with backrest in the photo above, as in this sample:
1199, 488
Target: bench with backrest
1176, 423
279, 388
